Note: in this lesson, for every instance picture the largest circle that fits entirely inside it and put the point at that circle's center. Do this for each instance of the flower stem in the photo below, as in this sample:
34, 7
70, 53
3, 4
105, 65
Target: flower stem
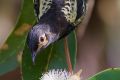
67, 55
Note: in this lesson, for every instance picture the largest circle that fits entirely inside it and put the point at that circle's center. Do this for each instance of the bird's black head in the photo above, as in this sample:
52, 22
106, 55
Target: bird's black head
39, 38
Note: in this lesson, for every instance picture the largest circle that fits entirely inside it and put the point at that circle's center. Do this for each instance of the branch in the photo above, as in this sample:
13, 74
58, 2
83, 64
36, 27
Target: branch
67, 55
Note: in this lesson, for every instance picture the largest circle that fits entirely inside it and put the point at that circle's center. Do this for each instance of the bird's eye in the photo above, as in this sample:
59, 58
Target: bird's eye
42, 39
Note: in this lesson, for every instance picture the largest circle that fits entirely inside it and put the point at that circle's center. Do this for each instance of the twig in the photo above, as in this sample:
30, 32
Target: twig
67, 55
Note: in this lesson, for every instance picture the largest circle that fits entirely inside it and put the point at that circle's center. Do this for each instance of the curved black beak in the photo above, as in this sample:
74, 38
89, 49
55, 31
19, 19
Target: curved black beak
33, 56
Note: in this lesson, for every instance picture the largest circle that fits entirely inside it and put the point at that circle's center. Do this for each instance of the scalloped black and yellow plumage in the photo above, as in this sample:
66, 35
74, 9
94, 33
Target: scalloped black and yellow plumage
55, 20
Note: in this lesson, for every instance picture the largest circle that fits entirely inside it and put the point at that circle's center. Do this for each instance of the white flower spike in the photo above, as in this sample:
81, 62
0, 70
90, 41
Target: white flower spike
60, 75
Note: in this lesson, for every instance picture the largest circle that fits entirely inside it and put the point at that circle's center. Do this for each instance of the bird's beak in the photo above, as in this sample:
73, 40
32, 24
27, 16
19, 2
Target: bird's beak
34, 56
35, 53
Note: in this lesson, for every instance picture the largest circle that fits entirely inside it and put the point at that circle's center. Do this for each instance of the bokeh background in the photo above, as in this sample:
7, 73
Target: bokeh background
98, 35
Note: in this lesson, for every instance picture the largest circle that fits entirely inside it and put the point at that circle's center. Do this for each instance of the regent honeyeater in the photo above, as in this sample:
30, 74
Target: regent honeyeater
55, 20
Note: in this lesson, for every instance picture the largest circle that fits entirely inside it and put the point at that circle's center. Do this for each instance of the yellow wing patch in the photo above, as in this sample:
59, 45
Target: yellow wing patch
41, 7
70, 10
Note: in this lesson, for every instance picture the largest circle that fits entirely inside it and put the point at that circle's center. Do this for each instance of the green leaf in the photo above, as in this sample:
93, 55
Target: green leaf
109, 74
11, 64
52, 57
17, 38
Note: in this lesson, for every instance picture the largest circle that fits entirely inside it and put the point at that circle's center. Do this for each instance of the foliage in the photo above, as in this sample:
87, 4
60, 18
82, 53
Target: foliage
51, 58
16, 40
109, 74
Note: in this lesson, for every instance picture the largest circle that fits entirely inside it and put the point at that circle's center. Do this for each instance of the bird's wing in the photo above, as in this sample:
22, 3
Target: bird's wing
74, 10
41, 7
81, 11
70, 10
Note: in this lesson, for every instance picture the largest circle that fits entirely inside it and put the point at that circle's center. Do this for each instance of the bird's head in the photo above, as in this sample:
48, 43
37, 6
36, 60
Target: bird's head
39, 38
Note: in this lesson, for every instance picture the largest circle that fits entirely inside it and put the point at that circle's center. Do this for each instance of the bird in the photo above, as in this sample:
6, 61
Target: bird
55, 20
